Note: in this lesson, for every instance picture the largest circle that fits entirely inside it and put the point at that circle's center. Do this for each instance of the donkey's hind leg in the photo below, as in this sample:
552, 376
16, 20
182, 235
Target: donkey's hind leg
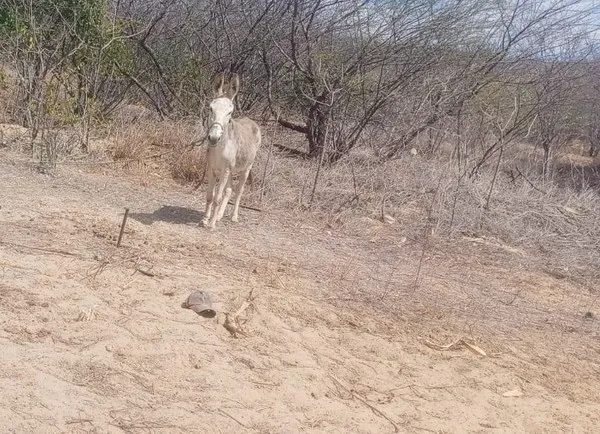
226, 198
239, 189
219, 203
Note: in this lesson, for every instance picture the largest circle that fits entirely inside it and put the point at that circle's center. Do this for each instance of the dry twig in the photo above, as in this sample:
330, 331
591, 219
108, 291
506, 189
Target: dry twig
224, 413
453, 345
364, 401
232, 323
41, 249
145, 272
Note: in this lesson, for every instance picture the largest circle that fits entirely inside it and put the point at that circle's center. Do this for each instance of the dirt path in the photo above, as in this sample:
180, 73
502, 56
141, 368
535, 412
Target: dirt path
90, 345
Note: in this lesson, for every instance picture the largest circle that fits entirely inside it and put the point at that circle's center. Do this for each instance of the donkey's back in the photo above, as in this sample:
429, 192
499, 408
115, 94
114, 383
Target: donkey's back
247, 136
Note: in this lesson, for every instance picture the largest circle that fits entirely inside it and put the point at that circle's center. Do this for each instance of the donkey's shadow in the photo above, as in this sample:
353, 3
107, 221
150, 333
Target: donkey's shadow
169, 214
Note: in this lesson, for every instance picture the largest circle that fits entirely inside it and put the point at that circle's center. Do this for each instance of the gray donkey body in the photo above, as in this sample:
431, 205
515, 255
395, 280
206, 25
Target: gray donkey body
232, 148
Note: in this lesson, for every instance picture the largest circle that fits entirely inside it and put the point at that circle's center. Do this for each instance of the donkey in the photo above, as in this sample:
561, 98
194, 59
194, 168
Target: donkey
232, 148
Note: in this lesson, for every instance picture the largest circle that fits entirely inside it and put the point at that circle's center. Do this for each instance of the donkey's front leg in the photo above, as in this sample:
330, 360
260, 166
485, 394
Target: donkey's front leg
219, 199
210, 195
225, 200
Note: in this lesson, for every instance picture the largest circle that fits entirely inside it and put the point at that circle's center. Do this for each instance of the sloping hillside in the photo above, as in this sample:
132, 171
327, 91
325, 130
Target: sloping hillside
339, 338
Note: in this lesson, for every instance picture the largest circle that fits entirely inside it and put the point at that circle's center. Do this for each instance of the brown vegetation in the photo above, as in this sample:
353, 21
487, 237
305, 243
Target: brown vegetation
430, 193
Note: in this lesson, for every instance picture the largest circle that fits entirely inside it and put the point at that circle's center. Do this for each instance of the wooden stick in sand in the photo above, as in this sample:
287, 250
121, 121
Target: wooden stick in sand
123, 227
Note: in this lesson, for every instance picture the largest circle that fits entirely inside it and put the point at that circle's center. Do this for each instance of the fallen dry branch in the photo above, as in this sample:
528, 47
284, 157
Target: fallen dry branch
232, 323
224, 413
242, 308
136, 426
456, 344
73, 421
88, 314
41, 249
97, 270
291, 151
260, 383
145, 272
233, 326
515, 393
365, 402
530, 182
251, 208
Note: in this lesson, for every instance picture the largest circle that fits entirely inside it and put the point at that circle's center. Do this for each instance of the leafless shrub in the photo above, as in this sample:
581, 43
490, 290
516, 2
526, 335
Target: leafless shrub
188, 166
472, 87
526, 210
131, 143
145, 136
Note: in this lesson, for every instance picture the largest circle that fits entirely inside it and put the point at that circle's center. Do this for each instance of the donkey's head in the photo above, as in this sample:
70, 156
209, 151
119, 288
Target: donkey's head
221, 107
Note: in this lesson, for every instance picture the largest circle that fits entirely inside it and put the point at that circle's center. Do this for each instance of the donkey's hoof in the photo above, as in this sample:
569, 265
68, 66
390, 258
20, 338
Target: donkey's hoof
234, 219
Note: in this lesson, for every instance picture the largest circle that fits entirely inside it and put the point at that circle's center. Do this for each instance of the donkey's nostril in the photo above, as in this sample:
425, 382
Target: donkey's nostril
215, 132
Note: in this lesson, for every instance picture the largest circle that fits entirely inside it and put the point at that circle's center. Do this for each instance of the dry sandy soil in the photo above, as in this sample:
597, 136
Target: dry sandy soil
338, 338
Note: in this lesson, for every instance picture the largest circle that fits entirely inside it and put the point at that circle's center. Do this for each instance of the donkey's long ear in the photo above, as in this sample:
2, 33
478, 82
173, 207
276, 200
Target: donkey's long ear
218, 84
234, 86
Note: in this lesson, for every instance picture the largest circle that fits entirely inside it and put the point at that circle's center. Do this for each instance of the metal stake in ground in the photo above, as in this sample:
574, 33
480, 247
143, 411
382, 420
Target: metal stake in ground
123, 227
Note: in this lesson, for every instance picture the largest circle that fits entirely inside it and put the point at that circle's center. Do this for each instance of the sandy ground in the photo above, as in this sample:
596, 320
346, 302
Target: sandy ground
338, 338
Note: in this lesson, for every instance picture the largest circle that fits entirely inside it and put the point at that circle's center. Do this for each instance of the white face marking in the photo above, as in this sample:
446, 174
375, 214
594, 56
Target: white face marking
220, 115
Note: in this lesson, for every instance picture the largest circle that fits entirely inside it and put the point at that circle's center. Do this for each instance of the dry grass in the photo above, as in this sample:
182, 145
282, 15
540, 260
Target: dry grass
505, 271
137, 135
140, 138
188, 166
7, 94
559, 218
328, 303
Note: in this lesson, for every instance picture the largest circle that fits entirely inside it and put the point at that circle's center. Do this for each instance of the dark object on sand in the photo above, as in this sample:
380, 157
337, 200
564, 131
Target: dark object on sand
199, 302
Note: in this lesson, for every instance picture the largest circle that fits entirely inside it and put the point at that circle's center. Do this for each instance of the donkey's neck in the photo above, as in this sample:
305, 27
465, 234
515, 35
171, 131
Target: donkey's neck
227, 141
228, 131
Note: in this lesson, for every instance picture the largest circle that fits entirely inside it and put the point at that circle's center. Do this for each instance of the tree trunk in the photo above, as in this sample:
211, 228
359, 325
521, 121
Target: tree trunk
546, 162
33, 92
319, 116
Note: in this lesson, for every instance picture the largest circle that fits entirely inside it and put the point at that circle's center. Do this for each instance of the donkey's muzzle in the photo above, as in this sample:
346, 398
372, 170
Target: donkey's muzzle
215, 133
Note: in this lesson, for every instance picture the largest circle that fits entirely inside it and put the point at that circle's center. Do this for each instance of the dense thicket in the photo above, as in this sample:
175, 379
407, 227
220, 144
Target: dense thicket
343, 73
